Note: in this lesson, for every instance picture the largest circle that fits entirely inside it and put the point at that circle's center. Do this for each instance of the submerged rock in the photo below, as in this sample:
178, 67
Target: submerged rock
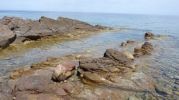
6, 36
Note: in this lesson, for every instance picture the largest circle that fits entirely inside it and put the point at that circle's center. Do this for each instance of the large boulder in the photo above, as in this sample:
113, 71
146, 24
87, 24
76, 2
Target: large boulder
6, 36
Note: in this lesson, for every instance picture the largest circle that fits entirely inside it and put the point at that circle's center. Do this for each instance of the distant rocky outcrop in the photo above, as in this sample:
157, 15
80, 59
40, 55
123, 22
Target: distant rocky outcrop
26, 29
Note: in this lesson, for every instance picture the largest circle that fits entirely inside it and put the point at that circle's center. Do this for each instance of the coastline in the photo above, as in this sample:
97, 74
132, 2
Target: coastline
118, 74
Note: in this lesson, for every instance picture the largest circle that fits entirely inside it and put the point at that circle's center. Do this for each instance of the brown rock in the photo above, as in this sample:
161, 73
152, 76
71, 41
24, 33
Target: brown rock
102, 27
36, 29
149, 35
146, 49
137, 52
72, 24
40, 96
102, 70
6, 36
5, 96
19, 72
99, 64
130, 42
93, 78
121, 57
33, 83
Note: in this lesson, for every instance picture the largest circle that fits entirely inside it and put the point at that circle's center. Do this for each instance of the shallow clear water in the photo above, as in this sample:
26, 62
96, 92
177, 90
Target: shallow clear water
166, 62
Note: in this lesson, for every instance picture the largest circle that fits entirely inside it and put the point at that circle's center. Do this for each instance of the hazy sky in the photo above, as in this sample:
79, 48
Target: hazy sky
167, 7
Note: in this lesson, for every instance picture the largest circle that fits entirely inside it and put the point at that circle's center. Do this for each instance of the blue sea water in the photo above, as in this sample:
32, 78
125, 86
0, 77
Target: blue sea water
166, 62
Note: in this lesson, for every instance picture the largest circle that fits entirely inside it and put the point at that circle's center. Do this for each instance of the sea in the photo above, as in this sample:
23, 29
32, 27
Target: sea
164, 64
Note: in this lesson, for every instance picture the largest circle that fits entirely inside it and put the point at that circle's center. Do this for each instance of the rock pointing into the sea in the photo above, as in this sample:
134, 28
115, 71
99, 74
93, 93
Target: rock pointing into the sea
63, 71
6, 36
28, 30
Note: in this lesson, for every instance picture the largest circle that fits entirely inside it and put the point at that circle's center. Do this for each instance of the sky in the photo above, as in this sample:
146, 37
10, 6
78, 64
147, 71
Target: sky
160, 7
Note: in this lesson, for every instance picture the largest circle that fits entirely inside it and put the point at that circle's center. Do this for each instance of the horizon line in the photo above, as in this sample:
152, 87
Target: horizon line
87, 12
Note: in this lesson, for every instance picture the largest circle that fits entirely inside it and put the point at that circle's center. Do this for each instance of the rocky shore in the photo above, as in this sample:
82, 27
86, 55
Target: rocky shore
117, 75
14, 30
